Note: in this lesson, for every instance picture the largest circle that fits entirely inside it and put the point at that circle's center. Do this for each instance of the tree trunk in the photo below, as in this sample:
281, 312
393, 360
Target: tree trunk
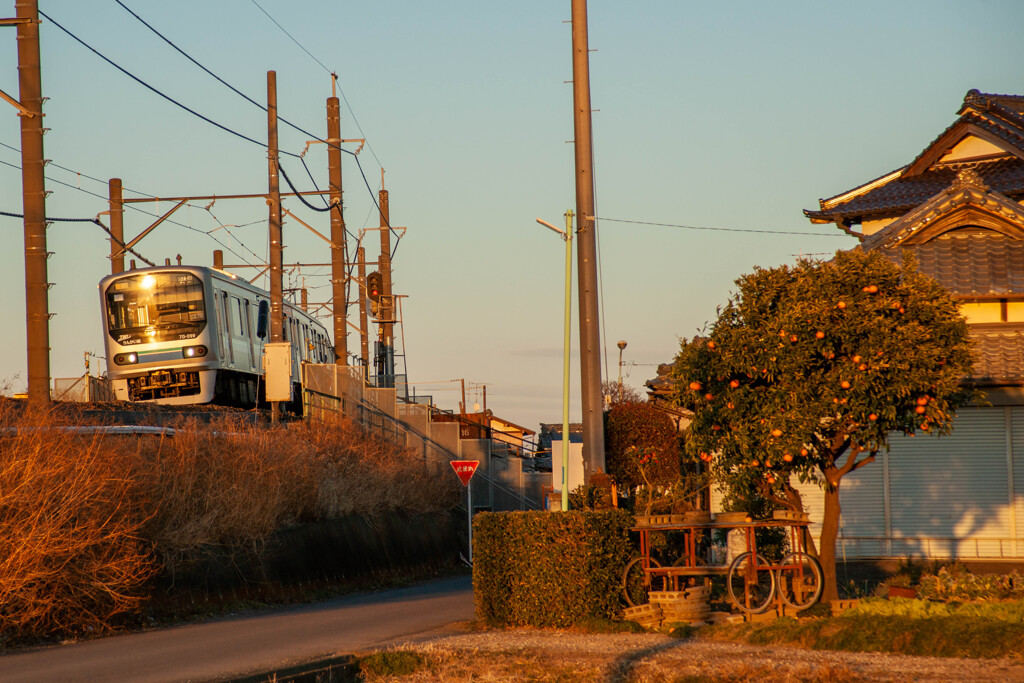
829, 533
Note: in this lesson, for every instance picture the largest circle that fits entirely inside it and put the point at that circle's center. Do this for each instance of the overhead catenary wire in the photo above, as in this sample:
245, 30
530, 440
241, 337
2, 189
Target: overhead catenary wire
143, 211
283, 120
156, 90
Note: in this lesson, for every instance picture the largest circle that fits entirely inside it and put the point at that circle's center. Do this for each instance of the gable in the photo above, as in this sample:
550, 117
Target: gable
971, 147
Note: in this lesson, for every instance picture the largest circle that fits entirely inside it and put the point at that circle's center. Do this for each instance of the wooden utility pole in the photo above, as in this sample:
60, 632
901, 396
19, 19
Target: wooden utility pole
338, 241
276, 248
116, 193
30, 109
387, 307
364, 342
586, 245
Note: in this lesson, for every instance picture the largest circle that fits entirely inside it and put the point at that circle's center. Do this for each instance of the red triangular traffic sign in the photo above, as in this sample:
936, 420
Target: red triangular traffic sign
465, 469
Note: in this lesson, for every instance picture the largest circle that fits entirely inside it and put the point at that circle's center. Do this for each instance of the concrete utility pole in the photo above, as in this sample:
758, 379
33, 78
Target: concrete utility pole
387, 307
338, 241
30, 109
586, 246
276, 248
116, 226
364, 343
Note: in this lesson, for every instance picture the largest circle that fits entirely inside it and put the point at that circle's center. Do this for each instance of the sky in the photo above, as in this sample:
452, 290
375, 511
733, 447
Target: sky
730, 116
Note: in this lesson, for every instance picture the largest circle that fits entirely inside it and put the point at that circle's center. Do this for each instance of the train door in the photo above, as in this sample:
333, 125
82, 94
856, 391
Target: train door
247, 317
225, 314
239, 334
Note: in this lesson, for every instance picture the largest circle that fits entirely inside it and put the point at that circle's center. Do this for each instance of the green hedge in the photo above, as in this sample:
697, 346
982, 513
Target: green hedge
549, 568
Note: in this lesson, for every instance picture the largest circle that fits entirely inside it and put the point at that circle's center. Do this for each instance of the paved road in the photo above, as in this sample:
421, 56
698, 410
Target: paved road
252, 643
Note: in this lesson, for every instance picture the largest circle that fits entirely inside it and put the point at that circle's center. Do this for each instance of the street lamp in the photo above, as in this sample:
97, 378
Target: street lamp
567, 236
622, 347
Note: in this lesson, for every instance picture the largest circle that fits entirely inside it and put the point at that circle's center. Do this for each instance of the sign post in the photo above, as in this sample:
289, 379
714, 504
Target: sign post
465, 470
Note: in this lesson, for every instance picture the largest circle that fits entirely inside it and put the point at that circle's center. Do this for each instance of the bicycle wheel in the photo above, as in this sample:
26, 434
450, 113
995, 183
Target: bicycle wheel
636, 583
751, 583
800, 580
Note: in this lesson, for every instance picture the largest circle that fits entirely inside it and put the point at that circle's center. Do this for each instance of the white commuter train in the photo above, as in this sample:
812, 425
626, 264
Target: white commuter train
191, 334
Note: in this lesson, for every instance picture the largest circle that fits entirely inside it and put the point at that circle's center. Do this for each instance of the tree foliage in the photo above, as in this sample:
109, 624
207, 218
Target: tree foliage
809, 368
633, 430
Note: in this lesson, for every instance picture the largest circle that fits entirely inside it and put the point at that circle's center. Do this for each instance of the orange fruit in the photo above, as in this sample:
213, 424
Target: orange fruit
819, 334
792, 338
856, 359
735, 383
695, 386
863, 367
872, 417
776, 433
804, 451
711, 345
787, 457
920, 410
922, 400
708, 397
844, 384
841, 304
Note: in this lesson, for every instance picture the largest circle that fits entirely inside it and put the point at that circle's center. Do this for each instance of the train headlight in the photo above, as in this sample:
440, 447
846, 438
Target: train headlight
193, 351
126, 358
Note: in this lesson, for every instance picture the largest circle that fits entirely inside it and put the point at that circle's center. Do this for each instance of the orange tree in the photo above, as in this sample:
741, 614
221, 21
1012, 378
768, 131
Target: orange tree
810, 368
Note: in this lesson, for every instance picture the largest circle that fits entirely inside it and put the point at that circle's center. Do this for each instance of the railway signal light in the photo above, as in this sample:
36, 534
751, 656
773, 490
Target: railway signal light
374, 289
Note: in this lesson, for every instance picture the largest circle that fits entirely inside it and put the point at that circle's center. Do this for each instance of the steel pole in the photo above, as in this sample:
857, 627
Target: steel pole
339, 243
586, 246
37, 307
565, 361
276, 249
116, 226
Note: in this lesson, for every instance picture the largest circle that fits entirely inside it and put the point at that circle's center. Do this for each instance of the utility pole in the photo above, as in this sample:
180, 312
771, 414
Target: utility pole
276, 249
338, 242
116, 226
364, 343
387, 307
586, 245
30, 109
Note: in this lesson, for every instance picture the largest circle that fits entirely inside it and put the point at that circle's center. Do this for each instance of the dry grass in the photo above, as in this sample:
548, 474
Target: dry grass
85, 521
72, 556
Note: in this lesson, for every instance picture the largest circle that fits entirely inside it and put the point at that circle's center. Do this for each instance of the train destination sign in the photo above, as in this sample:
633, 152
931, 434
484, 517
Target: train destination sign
465, 469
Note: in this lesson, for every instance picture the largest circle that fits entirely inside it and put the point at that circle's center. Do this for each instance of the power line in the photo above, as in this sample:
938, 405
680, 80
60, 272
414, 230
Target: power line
343, 97
292, 37
222, 81
696, 227
208, 233
154, 89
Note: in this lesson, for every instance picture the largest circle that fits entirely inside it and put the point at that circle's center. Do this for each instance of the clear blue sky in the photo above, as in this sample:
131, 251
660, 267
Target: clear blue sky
730, 115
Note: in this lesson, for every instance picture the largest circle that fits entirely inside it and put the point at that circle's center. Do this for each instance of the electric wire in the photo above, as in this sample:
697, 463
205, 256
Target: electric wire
225, 83
698, 227
301, 47
155, 90
263, 108
143, 211
334, 75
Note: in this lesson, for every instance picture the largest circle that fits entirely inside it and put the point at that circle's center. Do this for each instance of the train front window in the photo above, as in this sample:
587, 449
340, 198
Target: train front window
155, 307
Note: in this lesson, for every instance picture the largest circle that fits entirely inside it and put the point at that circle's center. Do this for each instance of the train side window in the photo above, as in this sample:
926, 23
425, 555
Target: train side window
227, 326
238, 326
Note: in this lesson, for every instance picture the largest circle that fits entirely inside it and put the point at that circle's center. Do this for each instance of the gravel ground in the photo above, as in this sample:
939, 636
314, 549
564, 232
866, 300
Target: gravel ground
539, 655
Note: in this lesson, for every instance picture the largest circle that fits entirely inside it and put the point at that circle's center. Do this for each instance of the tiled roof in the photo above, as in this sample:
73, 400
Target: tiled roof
971, 264
998, 356
1004, 175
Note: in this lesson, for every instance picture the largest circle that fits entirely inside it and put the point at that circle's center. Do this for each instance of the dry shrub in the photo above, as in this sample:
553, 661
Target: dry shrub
71, 556
211, 484
357, 474
229, 484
